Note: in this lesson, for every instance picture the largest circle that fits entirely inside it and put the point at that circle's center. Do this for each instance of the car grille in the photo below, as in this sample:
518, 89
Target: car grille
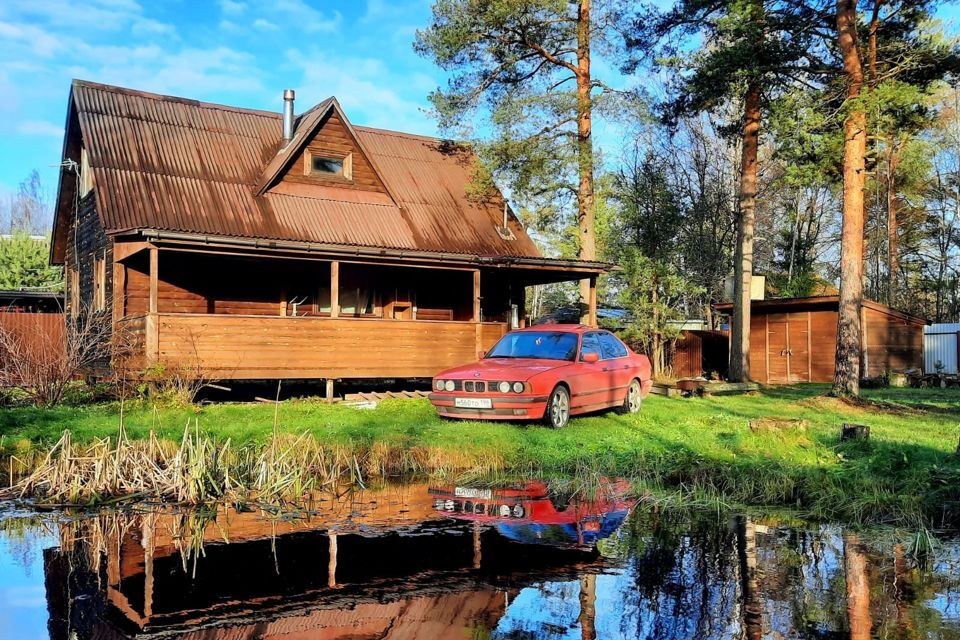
474, 386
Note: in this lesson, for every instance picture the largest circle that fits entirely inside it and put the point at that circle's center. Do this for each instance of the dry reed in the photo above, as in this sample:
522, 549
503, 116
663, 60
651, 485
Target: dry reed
200, 469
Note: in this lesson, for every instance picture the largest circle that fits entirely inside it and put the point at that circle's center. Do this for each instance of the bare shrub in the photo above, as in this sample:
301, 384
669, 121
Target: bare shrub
42, 364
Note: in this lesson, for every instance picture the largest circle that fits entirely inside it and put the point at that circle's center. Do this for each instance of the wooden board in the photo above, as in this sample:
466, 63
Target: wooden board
778, 343
798, 350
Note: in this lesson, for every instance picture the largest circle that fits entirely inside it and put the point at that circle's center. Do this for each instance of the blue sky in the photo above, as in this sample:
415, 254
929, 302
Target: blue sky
239, 52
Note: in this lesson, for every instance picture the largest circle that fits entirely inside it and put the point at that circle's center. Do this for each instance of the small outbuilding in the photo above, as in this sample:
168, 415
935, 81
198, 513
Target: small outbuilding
794, 339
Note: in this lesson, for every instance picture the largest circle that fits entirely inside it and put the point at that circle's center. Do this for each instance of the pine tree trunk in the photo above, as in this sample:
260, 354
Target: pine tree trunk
743, 262
656, 358
846, 379
585, 213
893, 249
749, 580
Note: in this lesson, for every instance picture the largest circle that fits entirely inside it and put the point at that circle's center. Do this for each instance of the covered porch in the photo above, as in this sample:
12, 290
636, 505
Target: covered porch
268, 312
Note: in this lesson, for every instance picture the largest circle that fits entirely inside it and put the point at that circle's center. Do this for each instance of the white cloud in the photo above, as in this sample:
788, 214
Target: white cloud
40, 128
16, 36
299, 14
364, 87
231, 8
265, 25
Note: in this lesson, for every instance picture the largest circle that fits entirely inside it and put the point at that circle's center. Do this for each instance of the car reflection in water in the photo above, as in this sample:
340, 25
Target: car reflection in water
528, 513
366, 564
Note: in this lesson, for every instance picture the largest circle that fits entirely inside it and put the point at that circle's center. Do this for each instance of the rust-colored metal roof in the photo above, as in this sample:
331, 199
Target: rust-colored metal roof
173, 164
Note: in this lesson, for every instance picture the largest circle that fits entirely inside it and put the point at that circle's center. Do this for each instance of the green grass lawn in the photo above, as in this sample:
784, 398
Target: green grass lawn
907, 474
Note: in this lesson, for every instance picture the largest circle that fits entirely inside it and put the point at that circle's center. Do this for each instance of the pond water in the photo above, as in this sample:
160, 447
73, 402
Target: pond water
527, 561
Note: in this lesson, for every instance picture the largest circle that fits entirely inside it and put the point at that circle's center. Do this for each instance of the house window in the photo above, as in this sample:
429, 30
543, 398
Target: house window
74, 284
319, 164
99, 283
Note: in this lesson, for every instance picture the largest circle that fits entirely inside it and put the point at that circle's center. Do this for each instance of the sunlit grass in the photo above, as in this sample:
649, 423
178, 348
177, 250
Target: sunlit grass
907, 474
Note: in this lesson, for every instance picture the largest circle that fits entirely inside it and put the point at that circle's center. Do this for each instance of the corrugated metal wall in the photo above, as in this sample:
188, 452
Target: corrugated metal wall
940, 345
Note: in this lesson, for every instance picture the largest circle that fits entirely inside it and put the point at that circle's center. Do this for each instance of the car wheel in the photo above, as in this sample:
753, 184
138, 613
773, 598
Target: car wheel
557, 414
633, 399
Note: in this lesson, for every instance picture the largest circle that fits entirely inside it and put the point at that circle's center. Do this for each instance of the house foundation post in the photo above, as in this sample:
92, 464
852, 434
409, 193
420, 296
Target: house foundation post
328, 394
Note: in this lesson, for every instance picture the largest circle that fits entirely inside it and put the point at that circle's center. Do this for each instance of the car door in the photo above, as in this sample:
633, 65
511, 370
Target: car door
616, 364
589, 384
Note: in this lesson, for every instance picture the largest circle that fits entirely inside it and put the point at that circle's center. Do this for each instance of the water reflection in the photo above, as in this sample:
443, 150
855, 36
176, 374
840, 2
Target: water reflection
518, 562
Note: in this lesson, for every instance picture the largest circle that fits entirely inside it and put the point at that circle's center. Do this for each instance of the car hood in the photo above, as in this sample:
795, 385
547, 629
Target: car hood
503, 368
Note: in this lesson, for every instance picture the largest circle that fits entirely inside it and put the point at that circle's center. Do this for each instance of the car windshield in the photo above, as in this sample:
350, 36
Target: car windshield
543, 345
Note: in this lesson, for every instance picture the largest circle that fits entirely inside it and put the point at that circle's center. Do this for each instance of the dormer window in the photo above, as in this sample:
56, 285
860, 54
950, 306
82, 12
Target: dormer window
321, 164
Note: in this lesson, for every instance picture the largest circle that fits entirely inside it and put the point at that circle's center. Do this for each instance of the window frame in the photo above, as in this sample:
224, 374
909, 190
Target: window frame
345, 159
74, 284
86, 173
99, 282
619, 343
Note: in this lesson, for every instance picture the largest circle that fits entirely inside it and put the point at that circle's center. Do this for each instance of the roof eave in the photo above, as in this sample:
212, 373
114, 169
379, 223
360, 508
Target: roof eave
586, 267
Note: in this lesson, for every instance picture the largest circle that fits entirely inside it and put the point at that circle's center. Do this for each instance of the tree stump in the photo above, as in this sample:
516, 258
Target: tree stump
849, 431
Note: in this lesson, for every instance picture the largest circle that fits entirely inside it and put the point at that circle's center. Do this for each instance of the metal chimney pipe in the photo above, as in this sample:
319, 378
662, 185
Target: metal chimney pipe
288, 97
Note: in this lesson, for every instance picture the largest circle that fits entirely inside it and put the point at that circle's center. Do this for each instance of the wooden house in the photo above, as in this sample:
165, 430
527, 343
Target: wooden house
794, 339
249, 244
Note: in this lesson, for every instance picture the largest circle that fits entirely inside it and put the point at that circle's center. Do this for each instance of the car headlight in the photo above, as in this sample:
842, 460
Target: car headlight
518, 387
504, 387
439, 385
448, 385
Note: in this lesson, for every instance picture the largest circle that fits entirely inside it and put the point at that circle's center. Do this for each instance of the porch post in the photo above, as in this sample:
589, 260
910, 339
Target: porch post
152, 329
476, 295
335, 289
592, 304
478, 328
332, 560
154, 260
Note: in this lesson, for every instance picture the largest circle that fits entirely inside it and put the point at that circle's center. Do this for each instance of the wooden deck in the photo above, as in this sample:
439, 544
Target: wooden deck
272, 347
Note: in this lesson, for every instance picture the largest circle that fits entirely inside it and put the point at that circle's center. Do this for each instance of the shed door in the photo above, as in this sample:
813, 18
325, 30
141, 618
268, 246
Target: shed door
788, 348
777, 347
798, 350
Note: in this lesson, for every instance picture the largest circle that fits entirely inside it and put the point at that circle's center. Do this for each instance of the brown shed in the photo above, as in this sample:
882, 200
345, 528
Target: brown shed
699, 351
794, 339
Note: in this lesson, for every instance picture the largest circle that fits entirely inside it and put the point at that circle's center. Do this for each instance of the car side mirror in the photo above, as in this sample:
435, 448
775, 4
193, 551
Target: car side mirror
481, 355
591, 356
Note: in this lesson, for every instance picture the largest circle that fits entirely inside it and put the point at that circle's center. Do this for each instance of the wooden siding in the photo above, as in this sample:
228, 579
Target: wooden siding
892, 343
88, 242
334, 140
260, 347
823, 341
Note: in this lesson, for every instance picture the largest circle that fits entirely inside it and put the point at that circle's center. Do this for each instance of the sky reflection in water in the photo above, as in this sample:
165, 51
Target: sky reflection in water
524, 562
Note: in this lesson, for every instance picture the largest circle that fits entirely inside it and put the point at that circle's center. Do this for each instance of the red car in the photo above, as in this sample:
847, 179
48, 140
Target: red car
546, 371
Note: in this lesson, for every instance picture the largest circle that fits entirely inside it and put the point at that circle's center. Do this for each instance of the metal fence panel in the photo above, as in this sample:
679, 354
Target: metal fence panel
940, 346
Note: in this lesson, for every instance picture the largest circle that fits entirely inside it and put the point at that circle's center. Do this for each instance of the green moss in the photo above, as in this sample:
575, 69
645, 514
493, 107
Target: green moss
907, 474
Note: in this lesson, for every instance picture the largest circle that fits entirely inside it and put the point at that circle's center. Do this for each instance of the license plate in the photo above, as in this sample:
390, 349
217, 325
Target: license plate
473, 403
469, 492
